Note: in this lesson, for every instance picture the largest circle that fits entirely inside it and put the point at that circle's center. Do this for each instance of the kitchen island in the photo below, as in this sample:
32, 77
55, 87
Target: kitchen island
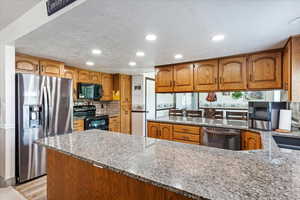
104, 165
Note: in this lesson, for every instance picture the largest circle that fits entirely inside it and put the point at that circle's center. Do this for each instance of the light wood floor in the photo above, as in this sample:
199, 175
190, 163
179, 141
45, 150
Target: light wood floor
34, 190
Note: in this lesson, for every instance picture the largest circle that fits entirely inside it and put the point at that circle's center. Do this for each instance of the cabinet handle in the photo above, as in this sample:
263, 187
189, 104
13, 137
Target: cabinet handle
36, 67
216, 80
250, 77
42, 68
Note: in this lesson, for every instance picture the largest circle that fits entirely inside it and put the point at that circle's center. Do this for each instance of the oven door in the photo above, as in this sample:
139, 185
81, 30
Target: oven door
96, 123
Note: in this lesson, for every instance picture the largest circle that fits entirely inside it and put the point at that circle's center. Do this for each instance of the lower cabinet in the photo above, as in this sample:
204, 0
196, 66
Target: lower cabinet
160, 130
78, 125
193, 134
114, 124
251, 140
187, 134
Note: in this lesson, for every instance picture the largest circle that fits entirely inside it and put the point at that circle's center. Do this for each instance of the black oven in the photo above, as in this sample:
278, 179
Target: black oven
97, 122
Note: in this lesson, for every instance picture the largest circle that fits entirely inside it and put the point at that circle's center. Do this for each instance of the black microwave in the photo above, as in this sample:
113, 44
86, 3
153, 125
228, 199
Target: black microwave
89, 91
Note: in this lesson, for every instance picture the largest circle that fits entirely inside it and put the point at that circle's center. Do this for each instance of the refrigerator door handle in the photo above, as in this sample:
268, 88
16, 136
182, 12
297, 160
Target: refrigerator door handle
46, 111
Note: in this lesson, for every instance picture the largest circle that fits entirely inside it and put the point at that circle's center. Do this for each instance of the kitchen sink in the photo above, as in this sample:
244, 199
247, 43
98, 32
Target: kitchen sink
287, 142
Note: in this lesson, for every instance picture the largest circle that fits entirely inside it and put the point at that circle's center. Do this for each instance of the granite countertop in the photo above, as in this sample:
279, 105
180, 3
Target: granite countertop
195, 171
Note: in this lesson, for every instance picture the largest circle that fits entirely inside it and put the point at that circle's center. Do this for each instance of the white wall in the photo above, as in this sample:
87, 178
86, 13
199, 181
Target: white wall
7, 112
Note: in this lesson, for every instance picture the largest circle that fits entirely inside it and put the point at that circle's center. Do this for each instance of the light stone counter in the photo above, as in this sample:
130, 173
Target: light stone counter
198, 172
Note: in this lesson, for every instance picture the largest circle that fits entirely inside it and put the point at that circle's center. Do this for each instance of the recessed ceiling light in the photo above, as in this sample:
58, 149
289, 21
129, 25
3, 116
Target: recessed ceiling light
218, 38
132, 63
96, 51
178, 56
151, 37
89, 63
295, 20
140, 54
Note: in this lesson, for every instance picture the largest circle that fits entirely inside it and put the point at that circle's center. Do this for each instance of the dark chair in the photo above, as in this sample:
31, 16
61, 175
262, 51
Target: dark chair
236, 115
175, 112
194, 113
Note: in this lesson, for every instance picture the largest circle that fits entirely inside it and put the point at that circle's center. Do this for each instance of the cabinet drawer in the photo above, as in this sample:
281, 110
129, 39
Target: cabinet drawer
184, 141
78, 125
113, 120
187, 129
186, 137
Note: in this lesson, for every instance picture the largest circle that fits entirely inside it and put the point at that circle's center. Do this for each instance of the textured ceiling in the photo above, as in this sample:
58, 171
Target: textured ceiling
10, 10
118, 28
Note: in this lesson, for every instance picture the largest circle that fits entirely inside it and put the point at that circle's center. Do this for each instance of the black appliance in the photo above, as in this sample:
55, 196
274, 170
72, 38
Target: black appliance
89, 91
91, 121
97, 122
265, 115
222, 138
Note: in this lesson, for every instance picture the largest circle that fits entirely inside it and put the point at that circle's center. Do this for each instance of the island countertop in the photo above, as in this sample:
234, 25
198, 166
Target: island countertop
195, 171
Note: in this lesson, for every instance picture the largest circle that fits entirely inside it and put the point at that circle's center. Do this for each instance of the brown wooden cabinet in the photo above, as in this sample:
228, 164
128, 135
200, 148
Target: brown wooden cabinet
107, 85
251, 140
206, 76
27, 64
291, 68
125, 118
125, 89
114, 124
286, 69
78, 125
160, 130
264, 71
232, 73
83, 76
187, 134
95, 77
51, 68
71, 73
164, 79
183, 78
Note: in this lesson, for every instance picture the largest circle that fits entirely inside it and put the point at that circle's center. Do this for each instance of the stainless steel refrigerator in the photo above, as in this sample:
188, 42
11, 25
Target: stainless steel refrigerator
44, 108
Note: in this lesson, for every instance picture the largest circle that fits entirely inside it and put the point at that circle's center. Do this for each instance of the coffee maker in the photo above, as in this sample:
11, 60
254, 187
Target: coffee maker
265, 115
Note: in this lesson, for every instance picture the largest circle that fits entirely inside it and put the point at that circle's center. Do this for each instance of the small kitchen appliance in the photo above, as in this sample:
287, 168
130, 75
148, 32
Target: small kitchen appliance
265, 115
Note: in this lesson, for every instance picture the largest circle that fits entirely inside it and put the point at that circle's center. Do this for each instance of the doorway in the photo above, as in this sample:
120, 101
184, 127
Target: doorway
150, 100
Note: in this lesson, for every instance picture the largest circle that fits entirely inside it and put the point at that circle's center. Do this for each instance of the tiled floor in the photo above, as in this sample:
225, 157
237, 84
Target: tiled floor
10, 193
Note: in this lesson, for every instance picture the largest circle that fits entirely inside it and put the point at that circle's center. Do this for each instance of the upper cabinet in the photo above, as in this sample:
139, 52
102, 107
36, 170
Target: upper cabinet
71, 73
164, 79
107, 85
51, 68
183, 78
206, 76
27, 64
232, 73
95, 77
264, 71
83, 76
125, 89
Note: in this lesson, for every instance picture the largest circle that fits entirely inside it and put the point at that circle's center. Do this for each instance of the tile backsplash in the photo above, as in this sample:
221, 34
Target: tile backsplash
103, 108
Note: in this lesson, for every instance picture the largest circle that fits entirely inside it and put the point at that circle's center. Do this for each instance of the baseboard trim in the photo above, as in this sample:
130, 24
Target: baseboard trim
7, 182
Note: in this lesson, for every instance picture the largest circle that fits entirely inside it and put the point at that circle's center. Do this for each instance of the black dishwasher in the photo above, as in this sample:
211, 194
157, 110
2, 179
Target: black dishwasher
222, 138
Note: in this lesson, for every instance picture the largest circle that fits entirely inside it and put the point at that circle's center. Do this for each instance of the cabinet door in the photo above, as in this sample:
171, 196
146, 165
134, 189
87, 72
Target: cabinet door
206, 76
83, 76
153, 129
164, 79
287, 68
71, 73
265, 71
166, 131
232, 73
27, 64
126, 119
183, 78
95, 77
107, 85
251, 141
51, 68
125, 84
